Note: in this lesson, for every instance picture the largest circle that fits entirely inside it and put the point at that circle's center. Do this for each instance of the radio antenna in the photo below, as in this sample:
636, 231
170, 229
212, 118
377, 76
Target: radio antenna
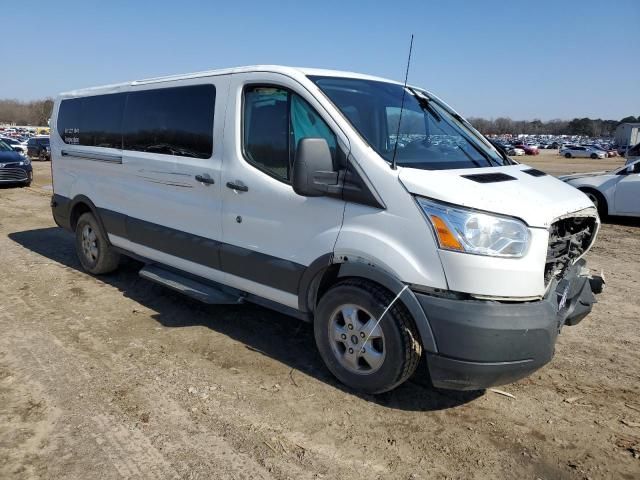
404, 91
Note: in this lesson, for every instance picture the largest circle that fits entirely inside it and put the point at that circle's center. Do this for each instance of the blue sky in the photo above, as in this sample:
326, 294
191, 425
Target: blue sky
523, 59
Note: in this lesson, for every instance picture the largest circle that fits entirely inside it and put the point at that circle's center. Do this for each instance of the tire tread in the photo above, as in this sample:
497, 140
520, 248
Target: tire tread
108, 259
412, 346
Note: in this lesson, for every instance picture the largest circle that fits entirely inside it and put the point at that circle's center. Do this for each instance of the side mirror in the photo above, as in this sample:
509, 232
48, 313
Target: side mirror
313, 174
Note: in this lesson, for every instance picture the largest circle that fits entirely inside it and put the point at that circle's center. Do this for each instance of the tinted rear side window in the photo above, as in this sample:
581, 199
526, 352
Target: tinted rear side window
68, 121
101, 120
173, 121
92, 121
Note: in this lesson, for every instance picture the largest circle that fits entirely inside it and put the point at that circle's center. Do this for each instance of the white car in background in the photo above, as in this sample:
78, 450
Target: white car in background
613, 193
15, 144
569, 151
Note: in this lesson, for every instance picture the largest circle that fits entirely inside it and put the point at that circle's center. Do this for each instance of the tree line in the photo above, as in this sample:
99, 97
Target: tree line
35, 113
578, 126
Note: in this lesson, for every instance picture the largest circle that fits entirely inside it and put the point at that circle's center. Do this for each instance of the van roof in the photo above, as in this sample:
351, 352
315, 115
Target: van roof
290, 71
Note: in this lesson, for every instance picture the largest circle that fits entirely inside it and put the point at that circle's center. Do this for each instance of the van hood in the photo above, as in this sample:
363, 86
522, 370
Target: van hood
534, 197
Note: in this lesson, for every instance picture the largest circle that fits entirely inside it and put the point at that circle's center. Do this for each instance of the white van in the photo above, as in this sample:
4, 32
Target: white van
297, 190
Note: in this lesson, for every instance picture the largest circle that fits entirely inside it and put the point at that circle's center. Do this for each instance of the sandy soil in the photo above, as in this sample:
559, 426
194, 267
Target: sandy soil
115, 377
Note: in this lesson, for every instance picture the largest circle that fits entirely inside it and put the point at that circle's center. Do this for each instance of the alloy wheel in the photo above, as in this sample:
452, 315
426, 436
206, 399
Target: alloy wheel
357, 340
90, 244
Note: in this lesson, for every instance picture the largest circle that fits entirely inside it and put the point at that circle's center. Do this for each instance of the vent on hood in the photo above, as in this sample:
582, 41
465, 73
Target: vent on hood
489, 177
534, 172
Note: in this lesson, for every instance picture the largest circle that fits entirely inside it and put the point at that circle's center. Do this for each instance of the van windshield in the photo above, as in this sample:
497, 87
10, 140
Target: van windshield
430, 137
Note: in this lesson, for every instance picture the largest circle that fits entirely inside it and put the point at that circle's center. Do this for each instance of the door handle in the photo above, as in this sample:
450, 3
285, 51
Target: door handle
238, 185
205, 179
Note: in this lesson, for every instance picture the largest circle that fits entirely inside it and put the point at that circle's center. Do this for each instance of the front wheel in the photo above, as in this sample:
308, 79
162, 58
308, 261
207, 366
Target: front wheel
93, 250
598, 201
366, 351
594, 156
567, 155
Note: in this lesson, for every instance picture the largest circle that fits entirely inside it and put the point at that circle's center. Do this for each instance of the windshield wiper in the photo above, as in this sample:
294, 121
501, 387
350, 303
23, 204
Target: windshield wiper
425, 103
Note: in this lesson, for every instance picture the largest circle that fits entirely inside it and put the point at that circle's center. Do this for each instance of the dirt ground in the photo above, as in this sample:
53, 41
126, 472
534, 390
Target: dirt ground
115, 377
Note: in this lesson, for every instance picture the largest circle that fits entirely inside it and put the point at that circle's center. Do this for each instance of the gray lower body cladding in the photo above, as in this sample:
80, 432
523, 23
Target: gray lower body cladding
274, 272
483, 343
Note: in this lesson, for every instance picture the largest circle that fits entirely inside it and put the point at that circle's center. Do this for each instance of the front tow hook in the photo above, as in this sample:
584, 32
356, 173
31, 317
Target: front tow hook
597, 283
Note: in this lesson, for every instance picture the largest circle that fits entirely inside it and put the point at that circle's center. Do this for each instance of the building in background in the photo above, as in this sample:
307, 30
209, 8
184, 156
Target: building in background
628, 134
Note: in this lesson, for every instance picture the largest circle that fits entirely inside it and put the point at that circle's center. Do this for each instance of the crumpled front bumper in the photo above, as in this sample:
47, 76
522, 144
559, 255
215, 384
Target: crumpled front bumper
487, 343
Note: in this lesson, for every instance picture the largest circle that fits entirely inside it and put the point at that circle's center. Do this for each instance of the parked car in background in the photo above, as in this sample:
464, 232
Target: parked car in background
45, 154
633, 154
15, 144
14, 167
599, 148
528, 149
506, 148
37, 146
578, 151
622, 150
514, 151
613, 193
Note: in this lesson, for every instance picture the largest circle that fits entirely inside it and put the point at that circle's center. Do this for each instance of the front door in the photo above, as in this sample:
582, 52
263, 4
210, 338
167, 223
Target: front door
271, 234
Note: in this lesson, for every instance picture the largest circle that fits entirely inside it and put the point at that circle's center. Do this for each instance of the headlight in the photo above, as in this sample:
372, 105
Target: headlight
25, 161
468, 231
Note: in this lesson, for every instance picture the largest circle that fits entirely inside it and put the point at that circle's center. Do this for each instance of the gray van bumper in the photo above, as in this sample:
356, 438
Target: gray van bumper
486, 343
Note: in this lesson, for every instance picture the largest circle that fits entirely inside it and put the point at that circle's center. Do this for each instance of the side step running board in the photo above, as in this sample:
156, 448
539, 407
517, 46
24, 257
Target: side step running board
187, 286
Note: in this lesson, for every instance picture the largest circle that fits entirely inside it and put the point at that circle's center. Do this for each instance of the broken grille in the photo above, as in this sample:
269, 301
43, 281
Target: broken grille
569, 238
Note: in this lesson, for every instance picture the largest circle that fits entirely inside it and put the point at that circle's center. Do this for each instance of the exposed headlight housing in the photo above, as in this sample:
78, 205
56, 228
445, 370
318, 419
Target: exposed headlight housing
25, 161
469, 231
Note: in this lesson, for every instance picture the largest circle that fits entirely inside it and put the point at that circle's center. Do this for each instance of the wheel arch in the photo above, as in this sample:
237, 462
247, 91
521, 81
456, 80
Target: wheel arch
322, 274
80, 205
591, 189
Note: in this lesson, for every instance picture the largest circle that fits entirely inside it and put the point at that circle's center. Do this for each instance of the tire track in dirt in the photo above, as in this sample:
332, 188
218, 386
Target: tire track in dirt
130, 453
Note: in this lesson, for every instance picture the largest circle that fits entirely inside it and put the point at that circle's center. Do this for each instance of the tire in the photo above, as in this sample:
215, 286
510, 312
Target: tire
594, 156
598, 200
94, 252
567, 155
390, 352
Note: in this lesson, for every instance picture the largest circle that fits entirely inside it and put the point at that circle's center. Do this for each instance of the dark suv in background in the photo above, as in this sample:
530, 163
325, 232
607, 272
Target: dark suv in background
38, 148
14, 168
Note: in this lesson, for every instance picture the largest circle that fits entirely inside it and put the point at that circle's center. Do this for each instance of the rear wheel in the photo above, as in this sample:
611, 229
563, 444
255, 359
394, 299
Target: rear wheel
366, 351
93, 250
567, 155
598, 200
